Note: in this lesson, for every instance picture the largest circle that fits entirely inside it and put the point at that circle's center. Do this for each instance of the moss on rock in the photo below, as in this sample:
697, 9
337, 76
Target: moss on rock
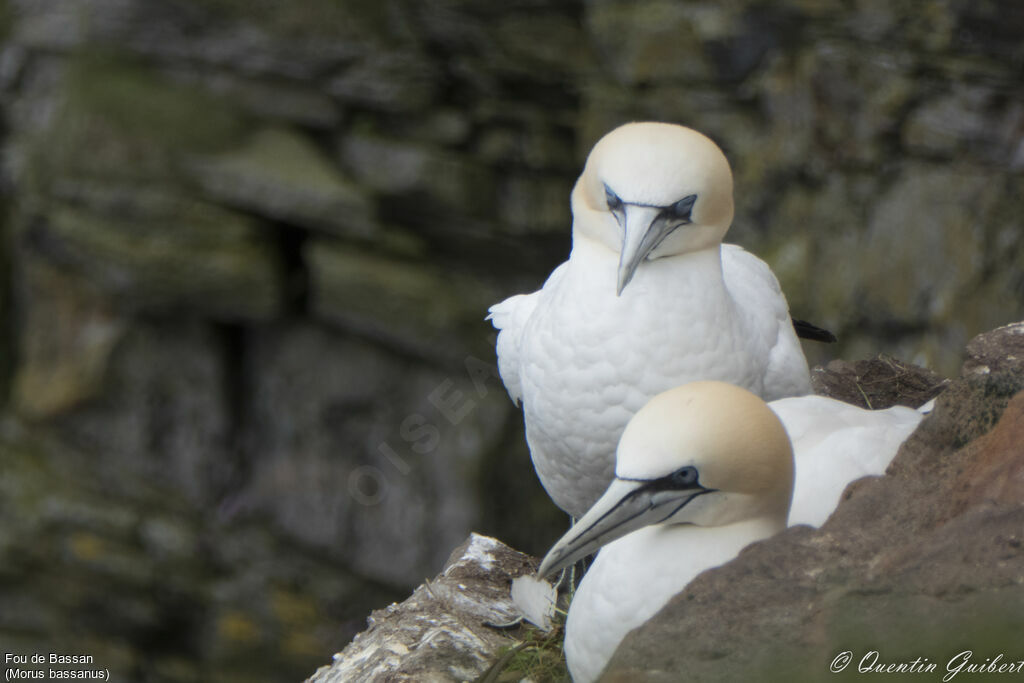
121, 120
280, 174
412, 306
198, 257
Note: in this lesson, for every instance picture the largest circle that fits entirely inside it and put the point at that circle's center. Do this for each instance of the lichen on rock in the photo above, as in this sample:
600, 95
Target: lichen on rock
443, 631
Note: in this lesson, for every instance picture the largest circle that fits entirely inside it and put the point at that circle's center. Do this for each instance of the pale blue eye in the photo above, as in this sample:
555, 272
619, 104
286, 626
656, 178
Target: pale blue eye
683, 207
686, 476
613, 200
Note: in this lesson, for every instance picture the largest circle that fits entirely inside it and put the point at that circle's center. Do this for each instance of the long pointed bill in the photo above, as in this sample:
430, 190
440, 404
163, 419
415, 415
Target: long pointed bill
645, 227
625, 507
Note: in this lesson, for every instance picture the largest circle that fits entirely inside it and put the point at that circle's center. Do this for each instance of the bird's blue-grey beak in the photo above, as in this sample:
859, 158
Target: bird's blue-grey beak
644, 227
627, 505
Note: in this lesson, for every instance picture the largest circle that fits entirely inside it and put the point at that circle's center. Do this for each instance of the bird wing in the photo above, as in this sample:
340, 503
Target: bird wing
757, 292
509, 317
835, 443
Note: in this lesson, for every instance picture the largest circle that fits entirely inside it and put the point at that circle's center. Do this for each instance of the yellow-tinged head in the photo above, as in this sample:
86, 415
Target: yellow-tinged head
706, 453
650, 190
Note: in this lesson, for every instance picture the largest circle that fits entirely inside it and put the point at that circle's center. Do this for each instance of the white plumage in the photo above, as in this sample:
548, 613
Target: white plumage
659, 561
702, 471
835, 443
649, 299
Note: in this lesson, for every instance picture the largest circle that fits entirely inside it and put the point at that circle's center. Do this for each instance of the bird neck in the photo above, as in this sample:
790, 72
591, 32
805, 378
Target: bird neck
720, 543
681, 551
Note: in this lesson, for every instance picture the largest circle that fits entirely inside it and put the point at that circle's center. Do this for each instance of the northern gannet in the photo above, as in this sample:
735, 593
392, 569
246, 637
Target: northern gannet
702, 471
649, 299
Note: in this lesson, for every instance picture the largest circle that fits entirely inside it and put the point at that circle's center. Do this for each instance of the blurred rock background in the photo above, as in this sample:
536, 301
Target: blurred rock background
248, 247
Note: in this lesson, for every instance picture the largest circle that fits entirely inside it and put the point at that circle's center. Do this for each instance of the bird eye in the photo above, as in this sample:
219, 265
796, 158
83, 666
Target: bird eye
613, 200
684, 477
683, 207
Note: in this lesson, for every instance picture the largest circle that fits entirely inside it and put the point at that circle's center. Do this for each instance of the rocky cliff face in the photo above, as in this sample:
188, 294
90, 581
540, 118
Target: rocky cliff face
247, 390
445, 630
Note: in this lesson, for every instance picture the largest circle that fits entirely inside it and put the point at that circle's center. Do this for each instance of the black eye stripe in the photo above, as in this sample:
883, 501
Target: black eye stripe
683, 478
681, 210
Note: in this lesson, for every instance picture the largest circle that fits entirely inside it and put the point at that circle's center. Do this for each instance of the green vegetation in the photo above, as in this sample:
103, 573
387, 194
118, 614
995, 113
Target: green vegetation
538, 657
120, 119
140, 102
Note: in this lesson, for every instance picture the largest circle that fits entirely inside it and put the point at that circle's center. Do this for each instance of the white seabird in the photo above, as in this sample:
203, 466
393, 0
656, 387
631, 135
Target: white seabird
702, 471
649, 299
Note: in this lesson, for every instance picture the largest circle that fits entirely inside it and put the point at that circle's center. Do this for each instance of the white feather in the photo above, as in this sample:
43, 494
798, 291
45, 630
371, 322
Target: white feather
835, 443
586, 360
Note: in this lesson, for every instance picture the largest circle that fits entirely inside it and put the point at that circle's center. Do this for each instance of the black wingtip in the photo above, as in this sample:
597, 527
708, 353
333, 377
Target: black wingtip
806, 330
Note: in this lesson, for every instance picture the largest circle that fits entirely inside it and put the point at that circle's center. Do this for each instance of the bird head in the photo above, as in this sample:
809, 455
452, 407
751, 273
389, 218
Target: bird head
651, 190
706, 453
